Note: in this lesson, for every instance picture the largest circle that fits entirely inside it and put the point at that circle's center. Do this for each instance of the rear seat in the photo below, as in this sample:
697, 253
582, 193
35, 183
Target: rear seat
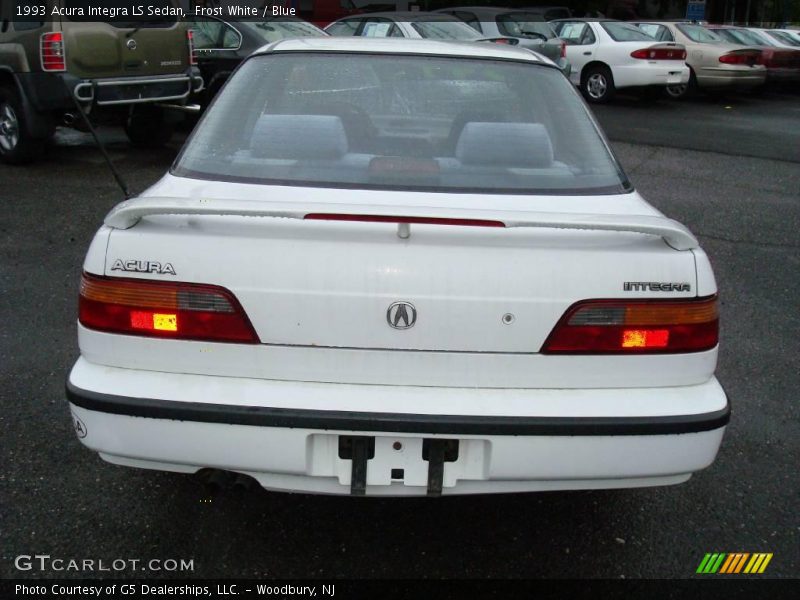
318, 142
316, 148
502, 155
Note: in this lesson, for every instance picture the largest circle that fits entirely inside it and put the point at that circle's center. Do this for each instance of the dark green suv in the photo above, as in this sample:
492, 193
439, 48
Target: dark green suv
53, 67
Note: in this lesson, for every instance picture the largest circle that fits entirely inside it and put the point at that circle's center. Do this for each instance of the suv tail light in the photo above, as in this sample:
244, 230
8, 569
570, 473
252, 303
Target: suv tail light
192, 50
659, 54
636, 327
184, 311
51, 51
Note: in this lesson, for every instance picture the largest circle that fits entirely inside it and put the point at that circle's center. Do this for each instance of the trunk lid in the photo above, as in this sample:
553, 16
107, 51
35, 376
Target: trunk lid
464, 289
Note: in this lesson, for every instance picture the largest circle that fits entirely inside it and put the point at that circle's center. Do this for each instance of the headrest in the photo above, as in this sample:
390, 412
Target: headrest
505, 145
298, 137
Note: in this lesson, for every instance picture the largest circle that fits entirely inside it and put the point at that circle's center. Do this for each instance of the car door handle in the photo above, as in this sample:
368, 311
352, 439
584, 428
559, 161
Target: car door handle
587, 53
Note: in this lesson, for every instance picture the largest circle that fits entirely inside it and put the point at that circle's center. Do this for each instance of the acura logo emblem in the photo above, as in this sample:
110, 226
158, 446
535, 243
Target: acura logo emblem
401, 315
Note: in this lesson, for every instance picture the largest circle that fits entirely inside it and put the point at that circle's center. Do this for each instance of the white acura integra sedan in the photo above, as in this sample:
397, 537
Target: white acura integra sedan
394, 267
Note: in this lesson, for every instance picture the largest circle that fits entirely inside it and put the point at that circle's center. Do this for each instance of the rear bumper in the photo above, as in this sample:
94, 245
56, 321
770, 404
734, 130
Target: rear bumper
138, 90
54, 91
723, 77
292, 444
783, 75
642, 75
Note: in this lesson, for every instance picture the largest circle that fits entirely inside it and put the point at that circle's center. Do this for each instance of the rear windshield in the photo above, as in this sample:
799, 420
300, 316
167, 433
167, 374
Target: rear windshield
279, 29
784, 38
122, 13
743, 36
524, 25
444, 30
401, 122
699, 34
625, 32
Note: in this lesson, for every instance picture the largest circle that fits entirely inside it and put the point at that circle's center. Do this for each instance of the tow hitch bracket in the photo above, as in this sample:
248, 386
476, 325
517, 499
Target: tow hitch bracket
437, 452
358, 449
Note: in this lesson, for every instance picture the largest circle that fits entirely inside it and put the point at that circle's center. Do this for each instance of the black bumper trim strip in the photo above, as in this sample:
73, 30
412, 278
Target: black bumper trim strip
262, 416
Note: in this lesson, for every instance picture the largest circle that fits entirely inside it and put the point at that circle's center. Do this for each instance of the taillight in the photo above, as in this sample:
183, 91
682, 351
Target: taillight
184, 311
740, 58
636, 327
51, 50
659, 54
192, 51
563, 49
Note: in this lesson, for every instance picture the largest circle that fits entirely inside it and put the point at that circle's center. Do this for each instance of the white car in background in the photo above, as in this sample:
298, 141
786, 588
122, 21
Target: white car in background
609, 55
404, 268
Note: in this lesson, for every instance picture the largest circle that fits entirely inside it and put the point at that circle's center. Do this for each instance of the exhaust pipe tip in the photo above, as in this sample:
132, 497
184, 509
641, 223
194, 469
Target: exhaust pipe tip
216, 480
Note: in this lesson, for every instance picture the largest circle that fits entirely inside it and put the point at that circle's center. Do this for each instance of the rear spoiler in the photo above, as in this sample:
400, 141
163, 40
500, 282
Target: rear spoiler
127, 214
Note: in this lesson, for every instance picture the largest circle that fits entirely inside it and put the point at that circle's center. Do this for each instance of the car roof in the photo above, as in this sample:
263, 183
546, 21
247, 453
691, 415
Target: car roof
588, 20
493, 10
403, 15
402, 46
669, 22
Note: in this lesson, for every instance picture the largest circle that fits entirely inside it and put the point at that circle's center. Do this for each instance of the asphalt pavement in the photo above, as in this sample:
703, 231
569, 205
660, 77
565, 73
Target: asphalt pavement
730, 174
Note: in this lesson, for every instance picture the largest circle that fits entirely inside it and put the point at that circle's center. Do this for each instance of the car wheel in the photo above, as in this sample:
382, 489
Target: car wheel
17, 145
683, 90
597, 85
147, 127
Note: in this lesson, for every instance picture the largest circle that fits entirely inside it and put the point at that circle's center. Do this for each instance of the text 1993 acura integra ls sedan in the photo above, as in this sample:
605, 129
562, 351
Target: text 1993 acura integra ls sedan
403, 268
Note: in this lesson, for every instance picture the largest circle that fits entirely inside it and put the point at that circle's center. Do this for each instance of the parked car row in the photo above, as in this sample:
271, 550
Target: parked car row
141, 76
602, 55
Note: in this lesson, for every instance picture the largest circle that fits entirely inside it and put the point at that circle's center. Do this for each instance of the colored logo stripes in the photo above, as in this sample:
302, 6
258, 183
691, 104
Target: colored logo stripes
734, 562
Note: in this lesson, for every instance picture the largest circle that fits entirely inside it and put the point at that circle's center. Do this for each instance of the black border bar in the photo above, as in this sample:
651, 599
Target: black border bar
263, 416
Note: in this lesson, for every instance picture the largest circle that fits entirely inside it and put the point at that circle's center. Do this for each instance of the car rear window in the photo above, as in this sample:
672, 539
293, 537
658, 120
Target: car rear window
625, 32
445, 30
524, 25
279, 29
401, 122
699, 34
784, 38
743, 36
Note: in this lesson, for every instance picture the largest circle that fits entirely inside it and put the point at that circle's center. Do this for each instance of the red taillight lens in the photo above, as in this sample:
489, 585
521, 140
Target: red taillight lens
638, 327
659, 54
563, 50
192, 51
51, 49
184, 311
740, 58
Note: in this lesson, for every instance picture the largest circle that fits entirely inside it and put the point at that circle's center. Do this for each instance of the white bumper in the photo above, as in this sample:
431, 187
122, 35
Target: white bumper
648, 74
286, 434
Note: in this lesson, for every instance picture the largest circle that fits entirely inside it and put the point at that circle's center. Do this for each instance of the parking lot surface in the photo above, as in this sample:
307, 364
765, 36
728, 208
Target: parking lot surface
727, 170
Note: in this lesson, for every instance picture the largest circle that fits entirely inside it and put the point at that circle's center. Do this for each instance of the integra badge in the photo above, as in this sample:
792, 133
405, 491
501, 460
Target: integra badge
143, 266
653, 286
